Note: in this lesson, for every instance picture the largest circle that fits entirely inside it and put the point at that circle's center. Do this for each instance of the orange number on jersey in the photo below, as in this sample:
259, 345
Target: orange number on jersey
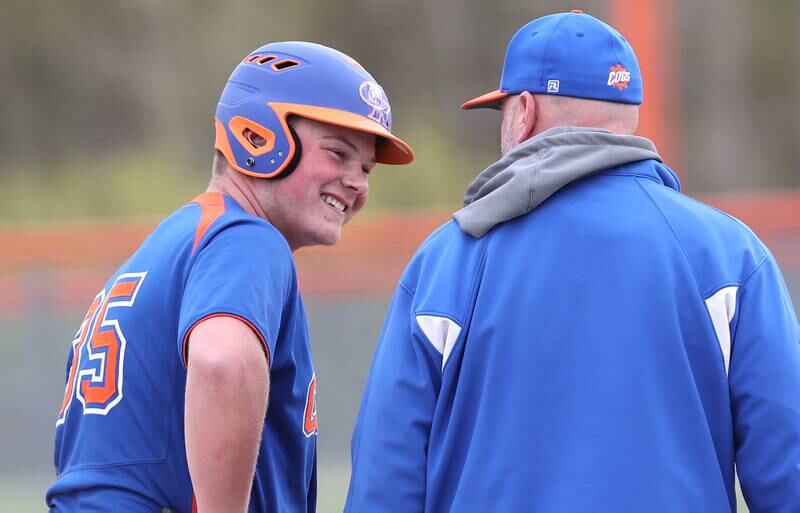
98, 351
310, 417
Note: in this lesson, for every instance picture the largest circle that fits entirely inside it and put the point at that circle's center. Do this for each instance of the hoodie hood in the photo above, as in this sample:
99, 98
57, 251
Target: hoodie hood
538, 167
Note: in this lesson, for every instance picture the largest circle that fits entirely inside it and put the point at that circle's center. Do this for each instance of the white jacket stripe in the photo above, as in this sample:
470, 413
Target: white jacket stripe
721, 307
441, 332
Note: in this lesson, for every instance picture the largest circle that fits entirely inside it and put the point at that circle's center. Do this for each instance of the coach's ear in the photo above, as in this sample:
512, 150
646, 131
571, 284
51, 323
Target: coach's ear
527, 116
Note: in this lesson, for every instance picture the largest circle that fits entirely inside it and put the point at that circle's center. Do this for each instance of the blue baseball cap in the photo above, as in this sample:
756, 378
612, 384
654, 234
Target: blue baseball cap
568, 54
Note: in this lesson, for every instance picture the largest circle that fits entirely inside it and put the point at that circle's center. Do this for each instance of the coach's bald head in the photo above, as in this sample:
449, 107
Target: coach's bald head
526, 115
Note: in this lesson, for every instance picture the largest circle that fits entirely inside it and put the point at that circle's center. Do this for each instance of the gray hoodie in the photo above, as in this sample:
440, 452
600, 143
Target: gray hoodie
538, 167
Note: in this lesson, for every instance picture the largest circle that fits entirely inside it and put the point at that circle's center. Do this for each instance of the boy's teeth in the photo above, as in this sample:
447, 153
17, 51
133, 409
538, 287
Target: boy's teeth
333, 202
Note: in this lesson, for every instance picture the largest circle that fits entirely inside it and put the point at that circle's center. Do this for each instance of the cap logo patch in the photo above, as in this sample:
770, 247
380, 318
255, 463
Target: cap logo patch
619, 77
553, 86
374, 96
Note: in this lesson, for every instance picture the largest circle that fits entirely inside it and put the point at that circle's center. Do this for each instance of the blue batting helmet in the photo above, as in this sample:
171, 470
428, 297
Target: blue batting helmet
302, 79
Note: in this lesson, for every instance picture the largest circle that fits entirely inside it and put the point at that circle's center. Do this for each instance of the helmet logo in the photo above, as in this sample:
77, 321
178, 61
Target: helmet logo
374, 96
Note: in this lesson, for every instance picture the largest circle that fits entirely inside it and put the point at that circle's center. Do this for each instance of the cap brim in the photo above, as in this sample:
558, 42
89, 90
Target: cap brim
490, 100
395, 151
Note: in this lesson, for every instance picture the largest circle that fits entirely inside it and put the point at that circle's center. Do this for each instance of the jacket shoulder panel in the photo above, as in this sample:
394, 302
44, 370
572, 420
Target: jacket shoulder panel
721, 249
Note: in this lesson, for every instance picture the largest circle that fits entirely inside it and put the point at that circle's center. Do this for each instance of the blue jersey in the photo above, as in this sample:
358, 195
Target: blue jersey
619, 348
119, 437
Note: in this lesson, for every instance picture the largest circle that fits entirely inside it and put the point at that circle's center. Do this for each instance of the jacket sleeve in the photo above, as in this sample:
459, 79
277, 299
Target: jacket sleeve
765, 389
390, 442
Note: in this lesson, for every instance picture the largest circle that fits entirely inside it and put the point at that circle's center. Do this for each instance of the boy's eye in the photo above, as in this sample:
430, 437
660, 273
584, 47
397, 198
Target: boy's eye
337, 153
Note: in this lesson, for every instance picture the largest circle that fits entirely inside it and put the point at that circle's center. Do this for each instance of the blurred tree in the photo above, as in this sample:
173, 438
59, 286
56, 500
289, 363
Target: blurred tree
89, 85
720, 145
775, 91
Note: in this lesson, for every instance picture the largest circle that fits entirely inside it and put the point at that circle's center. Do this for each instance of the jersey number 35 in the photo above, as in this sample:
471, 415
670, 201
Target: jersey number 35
98, 351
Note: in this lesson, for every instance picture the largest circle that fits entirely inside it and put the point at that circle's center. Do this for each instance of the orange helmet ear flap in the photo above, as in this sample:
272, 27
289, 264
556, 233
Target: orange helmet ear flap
254, 138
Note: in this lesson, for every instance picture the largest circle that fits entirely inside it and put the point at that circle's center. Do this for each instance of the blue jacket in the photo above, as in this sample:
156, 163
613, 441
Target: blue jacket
598, 343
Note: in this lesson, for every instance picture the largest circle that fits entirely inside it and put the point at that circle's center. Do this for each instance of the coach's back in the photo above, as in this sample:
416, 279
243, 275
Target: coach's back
615, 349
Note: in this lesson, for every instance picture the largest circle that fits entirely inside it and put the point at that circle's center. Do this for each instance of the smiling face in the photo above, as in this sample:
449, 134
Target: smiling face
328, 187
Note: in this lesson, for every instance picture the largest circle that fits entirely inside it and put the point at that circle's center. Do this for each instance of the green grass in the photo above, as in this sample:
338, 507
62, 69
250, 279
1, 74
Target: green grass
129, 184
27, 495
22, 495
149, 182
332, 488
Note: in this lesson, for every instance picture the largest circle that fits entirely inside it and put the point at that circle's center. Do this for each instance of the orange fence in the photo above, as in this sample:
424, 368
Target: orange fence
63, 265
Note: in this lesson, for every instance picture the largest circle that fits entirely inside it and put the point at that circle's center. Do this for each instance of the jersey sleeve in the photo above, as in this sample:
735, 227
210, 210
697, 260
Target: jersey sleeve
764, 382
243, 271
390, 441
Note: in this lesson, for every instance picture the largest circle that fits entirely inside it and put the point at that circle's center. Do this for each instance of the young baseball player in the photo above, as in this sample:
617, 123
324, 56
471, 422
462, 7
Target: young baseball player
169, 375
582, 337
